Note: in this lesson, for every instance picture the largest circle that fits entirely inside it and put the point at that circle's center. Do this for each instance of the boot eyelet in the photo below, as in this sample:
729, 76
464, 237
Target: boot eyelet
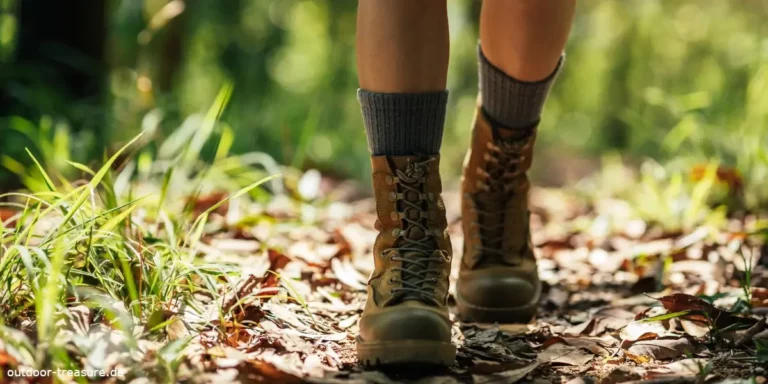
394, 215
391, 281
389, 180
392, 196
396, 232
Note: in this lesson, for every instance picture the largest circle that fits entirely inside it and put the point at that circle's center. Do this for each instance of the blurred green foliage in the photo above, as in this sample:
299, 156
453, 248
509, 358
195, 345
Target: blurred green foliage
683, 82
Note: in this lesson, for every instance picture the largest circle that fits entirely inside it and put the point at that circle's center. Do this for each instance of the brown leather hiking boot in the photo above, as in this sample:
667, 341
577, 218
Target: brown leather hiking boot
405, 319
498, 280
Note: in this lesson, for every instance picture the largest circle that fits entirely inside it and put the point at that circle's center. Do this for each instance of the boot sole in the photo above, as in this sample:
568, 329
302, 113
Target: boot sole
406, 351
518, 315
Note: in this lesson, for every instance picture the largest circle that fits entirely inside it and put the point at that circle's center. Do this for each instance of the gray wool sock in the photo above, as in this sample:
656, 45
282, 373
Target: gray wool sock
400, 124
509, 102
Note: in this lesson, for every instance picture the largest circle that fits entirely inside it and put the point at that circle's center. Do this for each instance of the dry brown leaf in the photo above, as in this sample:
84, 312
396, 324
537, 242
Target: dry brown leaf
315, 255
605, 261
679, 302
623, 374
596, 345
201, 204
557, 298
759, 297
347, 274
6, 360
695, 328
242, 288
604, 320
661, 349
640, 330
277, 261
561, 353
685, 367
508, 376
235, 245
176, 329
6, 215
272, 373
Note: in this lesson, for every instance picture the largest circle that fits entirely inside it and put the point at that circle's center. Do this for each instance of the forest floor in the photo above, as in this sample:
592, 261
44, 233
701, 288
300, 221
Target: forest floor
625, 300
633, 304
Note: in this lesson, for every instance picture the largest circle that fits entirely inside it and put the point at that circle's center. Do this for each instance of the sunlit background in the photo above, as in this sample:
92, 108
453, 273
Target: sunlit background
683, 82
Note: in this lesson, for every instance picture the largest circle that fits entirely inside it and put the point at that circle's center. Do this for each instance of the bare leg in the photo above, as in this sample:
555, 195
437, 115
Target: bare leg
402, 45
525, 38
521, 44
402, 60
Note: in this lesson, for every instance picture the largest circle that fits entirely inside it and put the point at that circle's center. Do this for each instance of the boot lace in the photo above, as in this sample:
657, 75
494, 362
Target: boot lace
415, 244
497, 182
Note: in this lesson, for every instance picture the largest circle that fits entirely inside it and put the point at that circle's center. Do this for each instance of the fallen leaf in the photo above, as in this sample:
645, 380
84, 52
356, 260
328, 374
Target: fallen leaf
6, 215
176, 329
623, 374
561, 353
509, 376
641, 330
686, 367
759, 297
201, 204
557, 298
235, 245
679, 302
347, 274
243, 288
492, 344
604, 261
277, 261
596, 345
695, 328
275, 374
7, 361
604, 320
661, 349
581, 380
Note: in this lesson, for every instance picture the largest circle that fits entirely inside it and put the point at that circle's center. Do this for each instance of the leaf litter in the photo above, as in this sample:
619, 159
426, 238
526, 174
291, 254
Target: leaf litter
625, 302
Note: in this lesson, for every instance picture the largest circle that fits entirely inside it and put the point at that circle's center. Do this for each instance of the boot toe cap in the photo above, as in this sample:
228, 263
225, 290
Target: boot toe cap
405, 324
498, 288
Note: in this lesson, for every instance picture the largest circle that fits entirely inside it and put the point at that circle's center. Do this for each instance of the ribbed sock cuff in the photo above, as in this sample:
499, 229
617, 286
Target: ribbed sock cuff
399, 124
508, 101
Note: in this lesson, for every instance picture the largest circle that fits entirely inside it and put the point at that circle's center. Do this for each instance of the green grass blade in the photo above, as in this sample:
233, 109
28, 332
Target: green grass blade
40, 168
95, 182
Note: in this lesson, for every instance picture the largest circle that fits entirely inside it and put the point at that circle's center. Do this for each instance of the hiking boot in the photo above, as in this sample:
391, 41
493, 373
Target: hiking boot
405, 319
498, 280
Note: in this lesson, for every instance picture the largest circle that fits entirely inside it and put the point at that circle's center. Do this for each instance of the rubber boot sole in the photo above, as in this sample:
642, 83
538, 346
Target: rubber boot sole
376, 353
517, 315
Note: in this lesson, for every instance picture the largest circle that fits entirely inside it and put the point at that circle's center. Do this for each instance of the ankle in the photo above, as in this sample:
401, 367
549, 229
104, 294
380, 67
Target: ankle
508, 102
